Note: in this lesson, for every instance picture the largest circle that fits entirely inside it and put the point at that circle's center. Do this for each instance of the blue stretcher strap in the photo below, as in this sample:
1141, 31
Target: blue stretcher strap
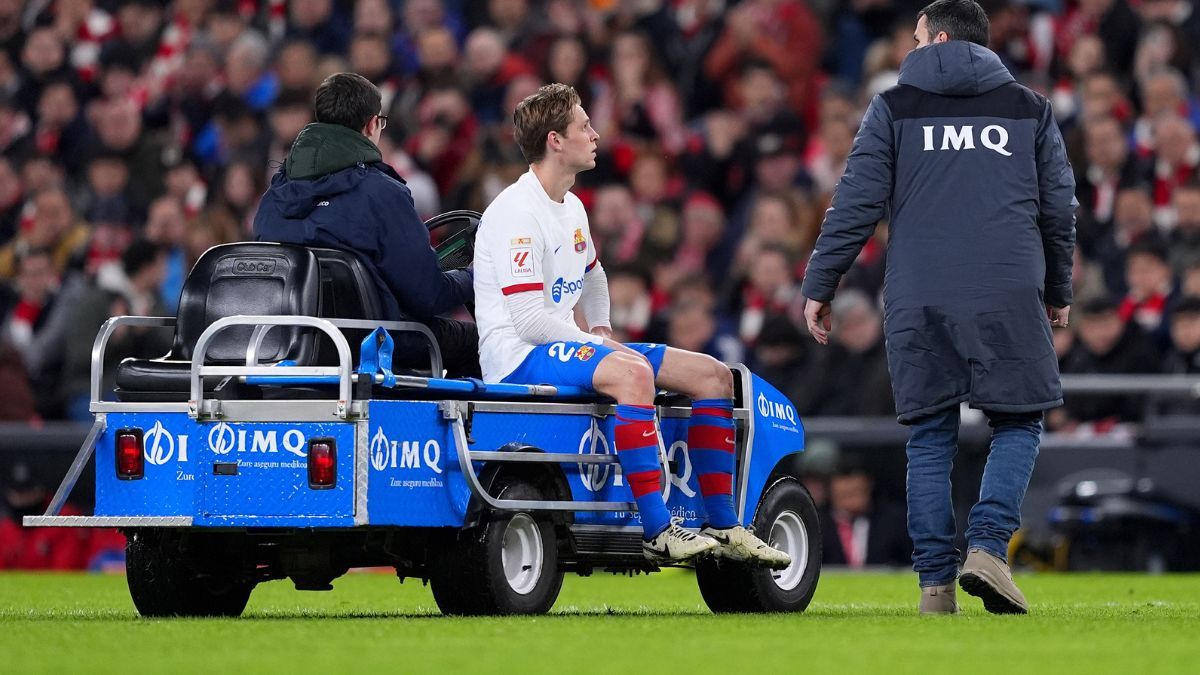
377, 358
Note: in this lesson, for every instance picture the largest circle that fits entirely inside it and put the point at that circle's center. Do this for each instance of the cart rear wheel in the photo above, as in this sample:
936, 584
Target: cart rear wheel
506, 565
164, 581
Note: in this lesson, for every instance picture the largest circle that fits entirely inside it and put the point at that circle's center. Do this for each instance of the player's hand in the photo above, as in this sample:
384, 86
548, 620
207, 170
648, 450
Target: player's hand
1058, 315
817, 316
603, 331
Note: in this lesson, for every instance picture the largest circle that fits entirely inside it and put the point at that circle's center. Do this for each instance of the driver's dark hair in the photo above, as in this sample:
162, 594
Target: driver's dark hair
346, 99
960, 19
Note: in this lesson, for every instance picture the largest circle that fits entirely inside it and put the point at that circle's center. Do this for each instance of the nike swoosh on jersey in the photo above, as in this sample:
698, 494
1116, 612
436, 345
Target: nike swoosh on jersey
557, 247
647, 433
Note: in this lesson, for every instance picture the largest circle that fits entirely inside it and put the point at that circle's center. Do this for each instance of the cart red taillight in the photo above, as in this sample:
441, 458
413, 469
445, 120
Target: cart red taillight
322, 463
131, 463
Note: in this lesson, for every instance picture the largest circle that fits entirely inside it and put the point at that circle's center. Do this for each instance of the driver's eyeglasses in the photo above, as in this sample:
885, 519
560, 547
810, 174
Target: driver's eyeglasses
382, 121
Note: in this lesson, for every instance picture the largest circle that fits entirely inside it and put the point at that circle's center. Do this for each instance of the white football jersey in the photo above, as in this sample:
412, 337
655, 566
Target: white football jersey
527, 242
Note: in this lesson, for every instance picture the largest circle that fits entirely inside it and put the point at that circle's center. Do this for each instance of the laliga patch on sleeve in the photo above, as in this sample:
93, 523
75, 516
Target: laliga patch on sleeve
521, 258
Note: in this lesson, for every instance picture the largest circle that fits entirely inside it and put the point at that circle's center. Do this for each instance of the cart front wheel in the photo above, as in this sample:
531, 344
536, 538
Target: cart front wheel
788, 518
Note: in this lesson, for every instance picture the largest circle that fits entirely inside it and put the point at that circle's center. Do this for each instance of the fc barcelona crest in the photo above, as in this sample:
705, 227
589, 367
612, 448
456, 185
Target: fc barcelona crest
580, 242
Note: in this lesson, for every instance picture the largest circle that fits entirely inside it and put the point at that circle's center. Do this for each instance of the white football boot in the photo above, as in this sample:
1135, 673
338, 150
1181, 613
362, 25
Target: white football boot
676, 544
740, 545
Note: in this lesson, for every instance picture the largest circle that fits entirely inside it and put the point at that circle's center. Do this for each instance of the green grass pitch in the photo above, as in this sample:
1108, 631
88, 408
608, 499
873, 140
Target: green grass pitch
370, 623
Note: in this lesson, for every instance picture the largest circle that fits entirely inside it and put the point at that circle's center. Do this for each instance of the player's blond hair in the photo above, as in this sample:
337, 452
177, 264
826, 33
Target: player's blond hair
550, 108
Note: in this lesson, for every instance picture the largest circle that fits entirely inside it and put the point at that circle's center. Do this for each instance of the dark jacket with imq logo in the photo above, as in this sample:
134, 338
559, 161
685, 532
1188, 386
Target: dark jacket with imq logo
970, 169
335, 191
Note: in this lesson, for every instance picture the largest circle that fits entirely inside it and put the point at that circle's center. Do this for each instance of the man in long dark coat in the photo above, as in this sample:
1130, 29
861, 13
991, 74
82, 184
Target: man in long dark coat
971, 168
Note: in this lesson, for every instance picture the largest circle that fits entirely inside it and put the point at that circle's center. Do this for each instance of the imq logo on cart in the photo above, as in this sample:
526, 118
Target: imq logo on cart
780, 411
224, 439
389, 454
594, 477
160, 445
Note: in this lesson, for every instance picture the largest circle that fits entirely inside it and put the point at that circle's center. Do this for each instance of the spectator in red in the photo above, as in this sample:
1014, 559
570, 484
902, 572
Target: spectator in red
1109, 166
1163, 92
684, 33
60, 131
785, 34
641, 106
1116, 24
37, 289
770, 288
1151, 287
1177, 161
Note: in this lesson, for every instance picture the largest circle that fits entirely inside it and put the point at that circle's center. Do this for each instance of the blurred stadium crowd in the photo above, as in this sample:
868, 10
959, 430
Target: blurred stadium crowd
137, 133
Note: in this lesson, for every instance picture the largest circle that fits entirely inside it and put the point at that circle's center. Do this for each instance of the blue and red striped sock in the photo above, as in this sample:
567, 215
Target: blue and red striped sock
637, 449
710, 445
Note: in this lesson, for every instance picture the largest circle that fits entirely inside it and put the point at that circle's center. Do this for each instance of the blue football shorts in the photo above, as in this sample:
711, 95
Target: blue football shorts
574, 363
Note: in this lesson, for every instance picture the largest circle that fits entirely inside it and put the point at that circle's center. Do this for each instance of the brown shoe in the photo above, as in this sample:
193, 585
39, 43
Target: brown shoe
988, 578
939, 600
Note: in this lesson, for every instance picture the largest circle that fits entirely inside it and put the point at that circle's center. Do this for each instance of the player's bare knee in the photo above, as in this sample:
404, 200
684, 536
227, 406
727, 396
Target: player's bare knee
626, 378
639, 382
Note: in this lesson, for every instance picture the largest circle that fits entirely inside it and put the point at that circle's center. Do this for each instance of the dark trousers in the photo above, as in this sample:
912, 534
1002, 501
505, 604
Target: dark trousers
458, 341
